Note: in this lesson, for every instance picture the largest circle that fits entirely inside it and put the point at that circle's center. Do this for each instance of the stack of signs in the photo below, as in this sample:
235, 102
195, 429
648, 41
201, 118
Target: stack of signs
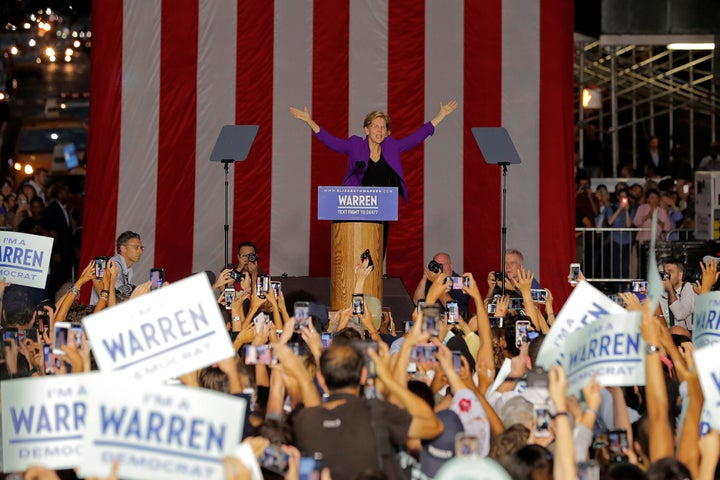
172, 331
611, 349
25, 258
584, 306
125, 413
706, 320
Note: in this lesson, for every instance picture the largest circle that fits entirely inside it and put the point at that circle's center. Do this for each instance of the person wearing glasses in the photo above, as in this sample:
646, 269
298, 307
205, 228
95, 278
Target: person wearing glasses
129, 250
374, 161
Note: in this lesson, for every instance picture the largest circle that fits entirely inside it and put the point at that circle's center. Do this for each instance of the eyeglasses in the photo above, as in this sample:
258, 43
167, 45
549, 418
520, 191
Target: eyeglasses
138, 247
378, 127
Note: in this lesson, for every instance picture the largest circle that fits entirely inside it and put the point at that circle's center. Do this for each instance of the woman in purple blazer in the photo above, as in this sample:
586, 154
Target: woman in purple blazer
374, 161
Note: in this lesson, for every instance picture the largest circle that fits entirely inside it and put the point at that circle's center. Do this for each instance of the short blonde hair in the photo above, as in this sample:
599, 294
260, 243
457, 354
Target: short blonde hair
376, 114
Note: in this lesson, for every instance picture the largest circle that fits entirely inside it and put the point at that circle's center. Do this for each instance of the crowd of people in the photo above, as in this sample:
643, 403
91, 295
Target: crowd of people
364, 394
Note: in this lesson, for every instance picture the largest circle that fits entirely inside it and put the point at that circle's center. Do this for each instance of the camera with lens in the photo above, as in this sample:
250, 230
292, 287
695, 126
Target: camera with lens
252, 257
235, 275
664, 275
434, 266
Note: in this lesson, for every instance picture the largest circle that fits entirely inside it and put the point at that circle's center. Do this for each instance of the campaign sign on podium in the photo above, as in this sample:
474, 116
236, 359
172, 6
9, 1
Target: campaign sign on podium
358, 204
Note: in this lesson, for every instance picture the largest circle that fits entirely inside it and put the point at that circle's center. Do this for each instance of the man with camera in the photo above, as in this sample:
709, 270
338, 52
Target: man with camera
514, 264
441, 263
678, 301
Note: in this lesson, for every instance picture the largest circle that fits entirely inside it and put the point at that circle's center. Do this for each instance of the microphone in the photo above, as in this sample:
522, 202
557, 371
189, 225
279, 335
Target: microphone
710, 258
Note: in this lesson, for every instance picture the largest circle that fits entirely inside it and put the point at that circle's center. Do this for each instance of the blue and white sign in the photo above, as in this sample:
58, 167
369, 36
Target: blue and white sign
706, 320
584, 306
611, 348
25, 258
163, 334
708, 370
369, 204
43, 421
160, 432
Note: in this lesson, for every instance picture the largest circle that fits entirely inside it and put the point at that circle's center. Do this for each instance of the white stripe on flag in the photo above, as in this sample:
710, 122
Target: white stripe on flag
217, 25
368, 61
443, 226
139, 125
292, 85
521, 116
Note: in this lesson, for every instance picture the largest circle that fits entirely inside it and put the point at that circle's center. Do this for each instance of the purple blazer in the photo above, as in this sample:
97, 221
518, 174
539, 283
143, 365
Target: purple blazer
357, 150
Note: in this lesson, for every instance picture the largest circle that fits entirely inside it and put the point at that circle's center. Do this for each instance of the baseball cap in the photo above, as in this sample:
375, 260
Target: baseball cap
436, 452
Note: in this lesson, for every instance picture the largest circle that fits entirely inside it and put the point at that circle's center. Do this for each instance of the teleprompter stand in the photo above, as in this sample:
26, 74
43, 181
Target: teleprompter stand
498, 149
233, 145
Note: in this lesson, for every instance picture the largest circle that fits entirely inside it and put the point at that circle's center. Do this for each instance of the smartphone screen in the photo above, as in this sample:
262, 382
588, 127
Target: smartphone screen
538, 295
276, 286
263, 285
358, 306
431, 320
457, 360
522, 327
424, 354
76, 333
274, 460
327, 339
491, 308
420, 305
541, 414
574, 275
639, 287
100, 266
229, 298
301, 314
157, 278
453, 312
259, 355
62, 333
617, 441
496, 322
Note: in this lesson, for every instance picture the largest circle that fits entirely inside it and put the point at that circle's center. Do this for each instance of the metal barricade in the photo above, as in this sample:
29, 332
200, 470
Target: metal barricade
613, 255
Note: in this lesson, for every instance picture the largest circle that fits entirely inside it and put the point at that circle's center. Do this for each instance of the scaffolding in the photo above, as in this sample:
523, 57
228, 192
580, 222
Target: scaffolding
647, 90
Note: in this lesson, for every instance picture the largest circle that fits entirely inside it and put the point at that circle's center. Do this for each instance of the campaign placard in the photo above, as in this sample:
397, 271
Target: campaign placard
611, 348
43, 421
706, 320
159, 432
708, 370
163, 334
358, 204
584, 306
25, 258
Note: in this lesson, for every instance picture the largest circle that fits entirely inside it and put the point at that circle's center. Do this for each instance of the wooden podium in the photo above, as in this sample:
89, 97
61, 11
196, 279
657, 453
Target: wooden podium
358, 214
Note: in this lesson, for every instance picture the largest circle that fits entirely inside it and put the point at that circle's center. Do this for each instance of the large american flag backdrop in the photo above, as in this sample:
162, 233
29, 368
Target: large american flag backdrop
167, 75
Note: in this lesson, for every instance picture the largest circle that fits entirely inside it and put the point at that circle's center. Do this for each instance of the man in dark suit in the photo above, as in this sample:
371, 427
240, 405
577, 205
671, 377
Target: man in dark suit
57, 223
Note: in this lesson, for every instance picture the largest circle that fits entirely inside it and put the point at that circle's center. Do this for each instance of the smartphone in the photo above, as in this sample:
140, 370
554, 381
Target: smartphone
420, 305
327, 339
310, 467
617, 441
522, 327
52, 361
538, 295
496, 322
62, 334
301, 314
466, 445
574, 273
259, 355
408, 325
453, 312
358, 304
541, 416
498, 276
639, 287
11, 335
457, 360
274, 459
624, 201
263, 285
457, 283
277, 287
260, 320
424, 354
229, 297
516, 303
100, 266
431, 320
617, 299
491, 308
76, 333
157, 278
366, 255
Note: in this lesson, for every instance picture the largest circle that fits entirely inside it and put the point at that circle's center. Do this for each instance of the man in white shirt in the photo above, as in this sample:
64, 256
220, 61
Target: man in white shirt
129, 250
678, 300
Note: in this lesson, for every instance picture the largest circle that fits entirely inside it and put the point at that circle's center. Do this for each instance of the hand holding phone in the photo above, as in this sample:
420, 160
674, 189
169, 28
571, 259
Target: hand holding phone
157, 278
574, 276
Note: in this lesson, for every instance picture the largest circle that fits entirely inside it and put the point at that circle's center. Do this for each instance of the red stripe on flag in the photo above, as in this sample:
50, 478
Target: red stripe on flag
176, 138
482, 96
557, 215
253, 100
330, 86
104, 140
406, 105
